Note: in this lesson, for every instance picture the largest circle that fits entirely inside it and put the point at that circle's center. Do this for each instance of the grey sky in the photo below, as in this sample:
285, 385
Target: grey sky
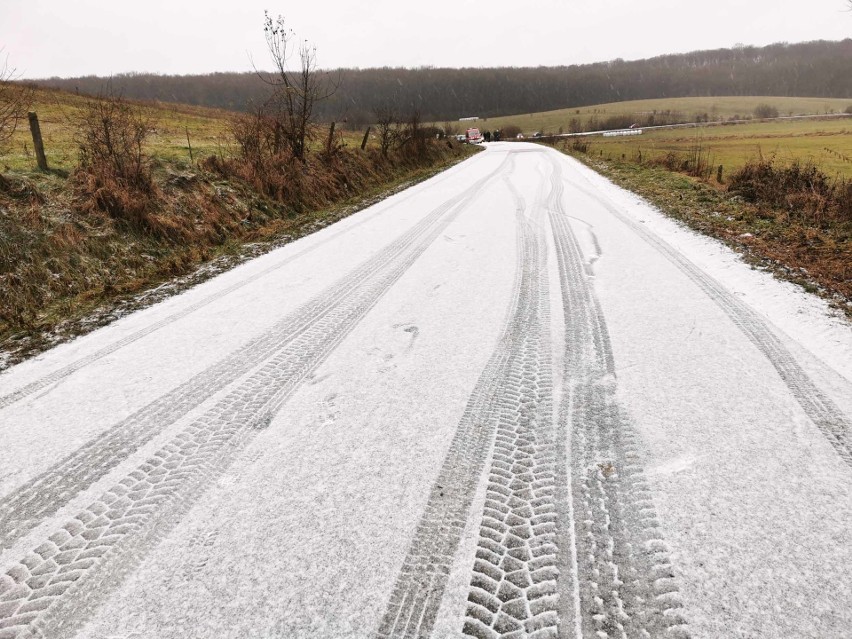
80, 37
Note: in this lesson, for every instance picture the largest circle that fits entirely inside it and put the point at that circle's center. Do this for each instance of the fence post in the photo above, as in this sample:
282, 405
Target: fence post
37, 142
364, 141
189, 144
330, 139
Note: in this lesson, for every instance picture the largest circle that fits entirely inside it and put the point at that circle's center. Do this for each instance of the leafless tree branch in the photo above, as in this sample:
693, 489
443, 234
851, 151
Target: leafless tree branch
15, 100
296, 91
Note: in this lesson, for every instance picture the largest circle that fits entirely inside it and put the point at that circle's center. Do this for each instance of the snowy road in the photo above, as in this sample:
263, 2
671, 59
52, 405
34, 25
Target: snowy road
512, 401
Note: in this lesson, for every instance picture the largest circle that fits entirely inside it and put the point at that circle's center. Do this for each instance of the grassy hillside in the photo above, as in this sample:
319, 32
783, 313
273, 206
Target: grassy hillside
81, 242
58, 113
826, 143
716, 108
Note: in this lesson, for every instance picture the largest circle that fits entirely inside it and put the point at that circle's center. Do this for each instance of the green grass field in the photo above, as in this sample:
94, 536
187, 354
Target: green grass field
715, 107
58, 111
826, 143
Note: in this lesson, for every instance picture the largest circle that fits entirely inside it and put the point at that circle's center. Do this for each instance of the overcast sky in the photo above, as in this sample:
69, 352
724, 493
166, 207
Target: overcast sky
80, 37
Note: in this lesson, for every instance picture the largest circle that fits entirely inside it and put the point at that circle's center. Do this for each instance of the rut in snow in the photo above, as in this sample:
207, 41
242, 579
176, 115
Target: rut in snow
65, 575
513, 589
73, 367
623, 582
28, 505
510, 398
823, 412
538, 571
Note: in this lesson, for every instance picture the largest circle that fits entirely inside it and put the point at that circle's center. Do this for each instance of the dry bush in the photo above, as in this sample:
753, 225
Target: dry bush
510, 131
800, 189
387, 127
413, 137
580, 145
265, 158
114, 174
764, 111
696, 162
265, 161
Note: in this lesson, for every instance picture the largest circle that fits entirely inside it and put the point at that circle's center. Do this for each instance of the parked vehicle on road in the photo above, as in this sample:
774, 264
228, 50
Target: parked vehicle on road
473, 136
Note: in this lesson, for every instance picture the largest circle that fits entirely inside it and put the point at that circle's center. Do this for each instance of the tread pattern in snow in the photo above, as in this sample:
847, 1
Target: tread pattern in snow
73, 367
59, 582
513, 591
494, 409
26, 506
623, 580
825, 414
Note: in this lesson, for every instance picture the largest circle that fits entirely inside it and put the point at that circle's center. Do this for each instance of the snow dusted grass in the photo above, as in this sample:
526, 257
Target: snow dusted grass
64, 271
816, 256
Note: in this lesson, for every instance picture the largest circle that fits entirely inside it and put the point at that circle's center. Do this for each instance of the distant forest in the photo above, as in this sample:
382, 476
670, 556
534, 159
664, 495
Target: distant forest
815, 69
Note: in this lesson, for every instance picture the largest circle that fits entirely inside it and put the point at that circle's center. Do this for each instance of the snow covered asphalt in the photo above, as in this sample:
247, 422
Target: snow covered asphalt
512, 401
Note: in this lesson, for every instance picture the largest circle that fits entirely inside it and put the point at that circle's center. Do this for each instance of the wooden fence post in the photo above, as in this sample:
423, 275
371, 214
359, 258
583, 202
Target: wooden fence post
364, 141
37, 142
330, 139
189, 144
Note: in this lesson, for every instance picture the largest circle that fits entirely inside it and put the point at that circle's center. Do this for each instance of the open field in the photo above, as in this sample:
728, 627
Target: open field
58, 111
826, 143
715, 108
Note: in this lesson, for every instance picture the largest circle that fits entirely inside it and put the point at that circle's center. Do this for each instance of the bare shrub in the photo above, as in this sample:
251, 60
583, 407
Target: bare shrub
114, 173
696, 162
387, 127
800, 189
110, 138
264, 155
699, 162
510, 131
764, 111
413, 137
581, 145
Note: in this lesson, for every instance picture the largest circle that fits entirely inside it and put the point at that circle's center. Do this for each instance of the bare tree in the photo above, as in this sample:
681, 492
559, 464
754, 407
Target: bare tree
15, 100
296, 91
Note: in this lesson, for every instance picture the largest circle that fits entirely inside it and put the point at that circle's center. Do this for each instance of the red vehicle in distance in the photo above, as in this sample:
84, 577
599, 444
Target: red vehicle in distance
473, 136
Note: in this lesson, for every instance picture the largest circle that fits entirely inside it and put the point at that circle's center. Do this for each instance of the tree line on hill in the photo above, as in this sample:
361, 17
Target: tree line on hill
817, 69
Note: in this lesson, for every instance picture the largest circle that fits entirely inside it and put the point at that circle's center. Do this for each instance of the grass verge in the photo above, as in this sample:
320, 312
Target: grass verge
818, 258
66, 269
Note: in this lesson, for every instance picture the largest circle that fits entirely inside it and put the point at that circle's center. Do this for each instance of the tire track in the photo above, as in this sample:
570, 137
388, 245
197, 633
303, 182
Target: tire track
823, 412
495, 401
65, 371
25, 507
513, 589
56, 585
622, 578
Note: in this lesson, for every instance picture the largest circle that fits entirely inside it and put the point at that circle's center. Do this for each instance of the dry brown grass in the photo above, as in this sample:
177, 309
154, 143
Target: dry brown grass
787, 218
70, 245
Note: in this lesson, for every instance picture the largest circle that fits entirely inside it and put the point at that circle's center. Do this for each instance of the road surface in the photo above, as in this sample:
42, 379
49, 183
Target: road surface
511, 401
